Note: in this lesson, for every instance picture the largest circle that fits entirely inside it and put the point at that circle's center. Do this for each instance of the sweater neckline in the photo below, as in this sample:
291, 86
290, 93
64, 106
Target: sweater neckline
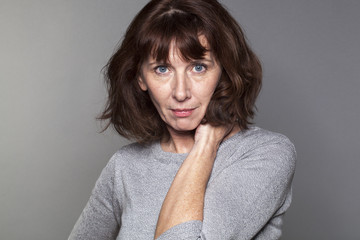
177, 158
167, 157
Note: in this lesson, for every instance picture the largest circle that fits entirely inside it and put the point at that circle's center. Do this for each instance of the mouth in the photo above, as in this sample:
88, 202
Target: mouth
183, 112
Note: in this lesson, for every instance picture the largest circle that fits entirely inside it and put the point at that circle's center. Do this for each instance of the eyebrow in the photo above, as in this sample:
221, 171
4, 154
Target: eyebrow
192, 61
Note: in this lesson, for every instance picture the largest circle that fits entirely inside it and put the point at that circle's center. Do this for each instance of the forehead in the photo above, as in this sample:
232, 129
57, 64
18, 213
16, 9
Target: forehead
178, 49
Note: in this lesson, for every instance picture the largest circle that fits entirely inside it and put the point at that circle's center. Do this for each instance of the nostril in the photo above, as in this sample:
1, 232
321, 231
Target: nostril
181, 90
182, 95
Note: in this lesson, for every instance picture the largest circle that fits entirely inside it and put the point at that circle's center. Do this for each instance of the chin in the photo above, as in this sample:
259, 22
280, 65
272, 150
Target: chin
191, 126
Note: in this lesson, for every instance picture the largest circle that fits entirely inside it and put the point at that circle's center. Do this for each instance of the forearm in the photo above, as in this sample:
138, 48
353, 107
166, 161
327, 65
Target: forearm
185, 198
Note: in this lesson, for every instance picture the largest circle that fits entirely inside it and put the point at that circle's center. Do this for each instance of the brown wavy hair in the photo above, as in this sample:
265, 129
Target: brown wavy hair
130, 110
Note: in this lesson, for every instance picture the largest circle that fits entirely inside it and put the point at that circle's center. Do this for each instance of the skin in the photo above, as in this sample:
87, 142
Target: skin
181, 92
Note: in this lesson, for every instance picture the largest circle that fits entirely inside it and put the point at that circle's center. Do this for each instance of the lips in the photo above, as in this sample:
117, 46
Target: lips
182, 112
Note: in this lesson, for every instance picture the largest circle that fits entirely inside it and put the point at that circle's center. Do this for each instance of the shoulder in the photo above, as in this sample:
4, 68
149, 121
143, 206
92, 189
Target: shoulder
256, 137
271, 149
259, 147
133, 149
259, 139
133, 152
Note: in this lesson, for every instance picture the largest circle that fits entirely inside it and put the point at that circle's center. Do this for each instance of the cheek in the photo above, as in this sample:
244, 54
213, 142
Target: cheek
158, 98
208, 90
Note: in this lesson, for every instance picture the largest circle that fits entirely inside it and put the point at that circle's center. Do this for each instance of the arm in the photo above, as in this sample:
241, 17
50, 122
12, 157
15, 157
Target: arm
247, 194
185, 198
247, 199
98, 220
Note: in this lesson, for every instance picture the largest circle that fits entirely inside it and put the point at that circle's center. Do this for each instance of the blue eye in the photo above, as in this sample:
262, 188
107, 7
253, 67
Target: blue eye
161, 69
199, 68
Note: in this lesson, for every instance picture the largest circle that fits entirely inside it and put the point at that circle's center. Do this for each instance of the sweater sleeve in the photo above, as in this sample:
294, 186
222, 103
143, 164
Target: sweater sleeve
247, 198
98, 219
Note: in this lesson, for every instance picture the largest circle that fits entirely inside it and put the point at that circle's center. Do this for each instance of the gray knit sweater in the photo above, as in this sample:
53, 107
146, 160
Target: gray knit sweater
248, 192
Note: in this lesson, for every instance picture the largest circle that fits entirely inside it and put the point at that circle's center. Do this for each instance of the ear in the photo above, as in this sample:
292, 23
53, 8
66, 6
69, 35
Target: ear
142, 83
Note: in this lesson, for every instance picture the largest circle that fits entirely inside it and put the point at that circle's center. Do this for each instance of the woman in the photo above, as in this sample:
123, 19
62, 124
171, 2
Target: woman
183, 84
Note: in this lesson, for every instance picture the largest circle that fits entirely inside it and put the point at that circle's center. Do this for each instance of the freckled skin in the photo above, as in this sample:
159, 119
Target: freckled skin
180, 90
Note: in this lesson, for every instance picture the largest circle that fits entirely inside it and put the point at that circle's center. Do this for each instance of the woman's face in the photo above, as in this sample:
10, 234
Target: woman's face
181, 90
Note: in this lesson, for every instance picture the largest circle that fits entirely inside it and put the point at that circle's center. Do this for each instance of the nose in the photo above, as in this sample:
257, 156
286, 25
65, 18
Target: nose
181, 87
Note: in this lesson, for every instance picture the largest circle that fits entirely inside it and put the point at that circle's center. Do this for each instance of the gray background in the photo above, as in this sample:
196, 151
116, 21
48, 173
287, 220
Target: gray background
51, 55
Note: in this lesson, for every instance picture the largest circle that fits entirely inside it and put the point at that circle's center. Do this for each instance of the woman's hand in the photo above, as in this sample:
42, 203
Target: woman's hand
209, 136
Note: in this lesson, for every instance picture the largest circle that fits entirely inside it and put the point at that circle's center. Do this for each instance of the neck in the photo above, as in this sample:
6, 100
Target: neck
178, 142
182, 142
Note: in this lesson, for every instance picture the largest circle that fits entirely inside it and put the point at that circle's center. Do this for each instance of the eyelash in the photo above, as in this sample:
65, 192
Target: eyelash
156, 69
202, 65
